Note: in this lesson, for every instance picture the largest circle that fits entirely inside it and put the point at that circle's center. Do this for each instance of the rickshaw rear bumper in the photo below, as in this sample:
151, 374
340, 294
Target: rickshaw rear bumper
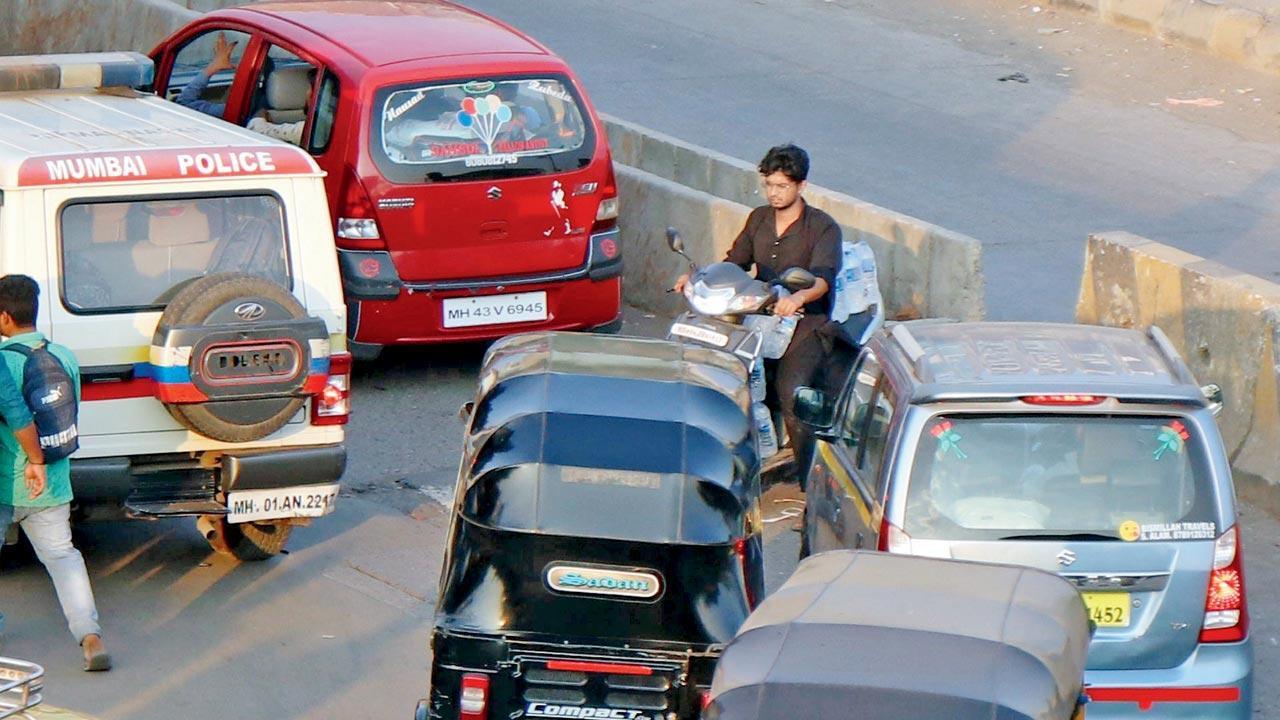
544, 679
1215, 682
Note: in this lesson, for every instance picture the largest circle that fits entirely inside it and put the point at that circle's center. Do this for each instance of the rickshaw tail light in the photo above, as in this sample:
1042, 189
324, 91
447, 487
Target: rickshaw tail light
475, 697
1226, 615
740, 549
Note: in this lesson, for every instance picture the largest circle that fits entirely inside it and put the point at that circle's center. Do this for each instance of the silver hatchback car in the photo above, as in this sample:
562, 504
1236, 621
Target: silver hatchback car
1088, 451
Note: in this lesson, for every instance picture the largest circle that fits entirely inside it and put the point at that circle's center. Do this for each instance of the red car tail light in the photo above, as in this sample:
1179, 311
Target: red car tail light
357, 228
473, 702
1226, 612
893, 539
332, 405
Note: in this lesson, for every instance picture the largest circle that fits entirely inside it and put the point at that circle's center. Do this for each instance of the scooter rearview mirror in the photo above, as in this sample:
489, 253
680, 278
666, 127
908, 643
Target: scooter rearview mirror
674, 241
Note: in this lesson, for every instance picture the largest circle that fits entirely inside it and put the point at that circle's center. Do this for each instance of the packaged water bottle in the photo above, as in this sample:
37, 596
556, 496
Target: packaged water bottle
757, 381
764, 430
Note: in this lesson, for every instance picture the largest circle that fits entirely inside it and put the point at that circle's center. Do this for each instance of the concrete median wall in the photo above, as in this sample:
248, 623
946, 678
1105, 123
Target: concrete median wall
924, 269
65, 26
1225, 323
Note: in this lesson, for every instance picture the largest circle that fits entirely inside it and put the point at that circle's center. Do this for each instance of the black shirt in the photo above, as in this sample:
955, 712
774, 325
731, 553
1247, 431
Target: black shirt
812, 242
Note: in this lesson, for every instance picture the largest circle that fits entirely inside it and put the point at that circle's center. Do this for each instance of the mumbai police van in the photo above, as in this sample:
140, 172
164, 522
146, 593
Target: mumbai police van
190, 266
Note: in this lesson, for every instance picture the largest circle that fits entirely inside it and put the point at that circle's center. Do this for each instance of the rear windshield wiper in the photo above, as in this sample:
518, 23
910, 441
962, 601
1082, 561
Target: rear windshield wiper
1061, 536
493, 173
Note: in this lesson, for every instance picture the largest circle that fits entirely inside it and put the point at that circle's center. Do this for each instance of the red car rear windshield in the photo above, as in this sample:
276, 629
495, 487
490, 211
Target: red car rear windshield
480, 129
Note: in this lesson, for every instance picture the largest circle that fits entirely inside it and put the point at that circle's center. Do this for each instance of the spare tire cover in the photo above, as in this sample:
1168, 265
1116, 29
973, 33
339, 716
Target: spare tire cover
234, 356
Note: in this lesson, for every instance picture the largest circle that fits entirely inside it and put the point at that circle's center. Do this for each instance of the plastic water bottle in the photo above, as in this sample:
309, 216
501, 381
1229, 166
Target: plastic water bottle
764, 430
757, 381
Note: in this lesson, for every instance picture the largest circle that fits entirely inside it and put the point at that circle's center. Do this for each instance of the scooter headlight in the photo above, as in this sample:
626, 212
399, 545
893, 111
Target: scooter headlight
708, 301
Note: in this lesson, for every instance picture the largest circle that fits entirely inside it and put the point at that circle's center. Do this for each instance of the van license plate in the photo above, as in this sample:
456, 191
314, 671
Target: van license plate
276, 503
1108, 609
494, 309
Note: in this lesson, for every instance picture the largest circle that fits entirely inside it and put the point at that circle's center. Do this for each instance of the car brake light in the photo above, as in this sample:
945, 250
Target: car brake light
475, 697
893, 539
1063, 399
332, 405
608, 209
356, 227
1226, 613
740, 549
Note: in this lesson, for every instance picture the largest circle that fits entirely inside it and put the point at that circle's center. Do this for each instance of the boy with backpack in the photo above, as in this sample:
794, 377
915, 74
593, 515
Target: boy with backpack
49, 378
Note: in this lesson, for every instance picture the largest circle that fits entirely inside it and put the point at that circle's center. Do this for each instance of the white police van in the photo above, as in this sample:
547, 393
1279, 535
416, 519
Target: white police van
190, 266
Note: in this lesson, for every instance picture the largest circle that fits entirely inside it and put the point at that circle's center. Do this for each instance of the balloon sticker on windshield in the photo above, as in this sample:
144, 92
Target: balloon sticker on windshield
1130, 531
1171, 438
948, 439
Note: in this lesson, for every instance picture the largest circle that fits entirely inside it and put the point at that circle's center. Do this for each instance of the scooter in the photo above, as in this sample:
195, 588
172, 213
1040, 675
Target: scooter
732, 311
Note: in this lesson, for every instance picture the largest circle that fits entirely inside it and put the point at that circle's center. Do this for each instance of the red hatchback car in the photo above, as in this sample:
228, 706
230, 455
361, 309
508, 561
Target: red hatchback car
470, 184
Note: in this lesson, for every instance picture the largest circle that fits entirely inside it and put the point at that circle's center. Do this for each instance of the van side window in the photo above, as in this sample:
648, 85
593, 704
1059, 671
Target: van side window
135, 254
326, 111
877, 431
282, 96
189, 64
853, 422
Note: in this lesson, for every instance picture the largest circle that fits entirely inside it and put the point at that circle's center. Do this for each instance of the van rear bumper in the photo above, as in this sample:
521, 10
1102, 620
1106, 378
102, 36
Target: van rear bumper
178, 484
1215, 682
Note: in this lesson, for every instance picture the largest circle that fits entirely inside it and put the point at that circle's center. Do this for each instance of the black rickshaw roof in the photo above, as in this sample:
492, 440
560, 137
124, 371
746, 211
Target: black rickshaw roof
874, 636
613, 419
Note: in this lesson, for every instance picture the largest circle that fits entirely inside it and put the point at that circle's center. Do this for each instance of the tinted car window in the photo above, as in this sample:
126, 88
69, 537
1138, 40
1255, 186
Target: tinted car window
877, 431
496, 127
985, 477
136, 253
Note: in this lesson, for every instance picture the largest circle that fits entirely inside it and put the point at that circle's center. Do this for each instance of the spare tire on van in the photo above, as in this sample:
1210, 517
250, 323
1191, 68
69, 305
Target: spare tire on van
235, 356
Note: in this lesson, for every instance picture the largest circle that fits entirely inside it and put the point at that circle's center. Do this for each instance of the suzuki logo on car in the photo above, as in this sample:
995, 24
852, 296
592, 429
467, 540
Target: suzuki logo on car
494, 192
1066, 557
603, 581
249, 311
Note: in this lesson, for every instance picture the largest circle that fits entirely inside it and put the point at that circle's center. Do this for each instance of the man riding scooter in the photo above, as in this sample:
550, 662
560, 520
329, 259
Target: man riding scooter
783, 234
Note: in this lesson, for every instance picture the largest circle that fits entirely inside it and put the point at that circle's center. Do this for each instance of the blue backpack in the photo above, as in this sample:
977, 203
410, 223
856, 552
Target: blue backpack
51, 396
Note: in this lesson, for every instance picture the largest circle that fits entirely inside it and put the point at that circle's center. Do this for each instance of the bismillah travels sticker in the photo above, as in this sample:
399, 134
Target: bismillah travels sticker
1178, 531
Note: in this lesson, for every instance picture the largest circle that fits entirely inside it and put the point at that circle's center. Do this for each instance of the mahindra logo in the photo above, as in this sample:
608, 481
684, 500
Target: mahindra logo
494, 193
1066, 557
249, 311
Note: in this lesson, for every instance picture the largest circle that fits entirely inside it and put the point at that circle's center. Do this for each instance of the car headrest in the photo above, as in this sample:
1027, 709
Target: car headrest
288, 88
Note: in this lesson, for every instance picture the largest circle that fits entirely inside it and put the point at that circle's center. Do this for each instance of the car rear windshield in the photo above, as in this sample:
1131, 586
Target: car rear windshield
136, 254
981, 477
480, 129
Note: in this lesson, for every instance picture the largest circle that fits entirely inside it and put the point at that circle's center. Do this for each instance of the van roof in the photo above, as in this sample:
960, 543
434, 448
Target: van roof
51, 137
421, 28
1002, 360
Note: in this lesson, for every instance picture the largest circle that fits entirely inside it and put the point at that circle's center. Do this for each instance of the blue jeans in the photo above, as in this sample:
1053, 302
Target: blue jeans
49, 530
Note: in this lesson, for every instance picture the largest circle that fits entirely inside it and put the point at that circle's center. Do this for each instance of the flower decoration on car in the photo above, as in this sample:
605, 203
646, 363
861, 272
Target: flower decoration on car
1171, 438
948, 439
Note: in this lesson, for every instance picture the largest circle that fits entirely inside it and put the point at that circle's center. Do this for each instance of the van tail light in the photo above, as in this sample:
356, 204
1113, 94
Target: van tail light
1226, 612
1063, 400
607, 211
474, 699
357, 226
893, 539
332, 405
740, 549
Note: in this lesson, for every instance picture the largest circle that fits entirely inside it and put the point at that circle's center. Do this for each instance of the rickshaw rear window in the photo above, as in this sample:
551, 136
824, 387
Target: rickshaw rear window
605, 503
978, 477
487, 127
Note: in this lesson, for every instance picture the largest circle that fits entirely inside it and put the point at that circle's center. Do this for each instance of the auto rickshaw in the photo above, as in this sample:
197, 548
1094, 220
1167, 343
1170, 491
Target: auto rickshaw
606, 533
873, 636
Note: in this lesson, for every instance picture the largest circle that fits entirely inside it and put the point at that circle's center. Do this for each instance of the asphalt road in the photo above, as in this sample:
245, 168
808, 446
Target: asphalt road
900, 105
